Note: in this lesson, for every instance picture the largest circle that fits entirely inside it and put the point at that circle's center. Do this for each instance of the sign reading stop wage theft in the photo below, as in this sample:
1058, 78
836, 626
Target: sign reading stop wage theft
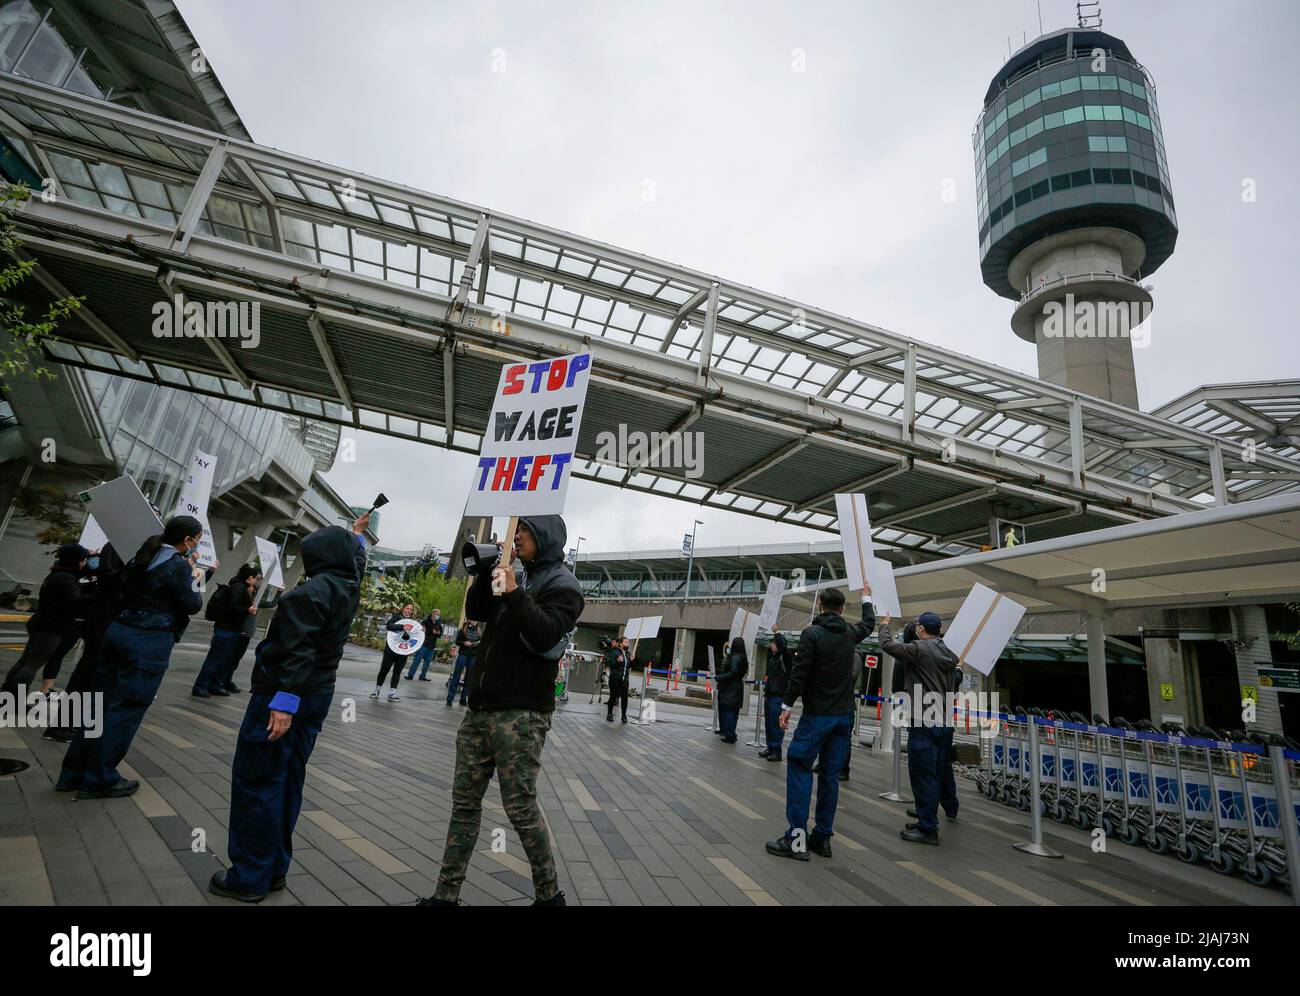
527, 455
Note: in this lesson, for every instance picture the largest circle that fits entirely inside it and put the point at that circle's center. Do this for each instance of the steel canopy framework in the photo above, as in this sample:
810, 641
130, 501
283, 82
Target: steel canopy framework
794, 403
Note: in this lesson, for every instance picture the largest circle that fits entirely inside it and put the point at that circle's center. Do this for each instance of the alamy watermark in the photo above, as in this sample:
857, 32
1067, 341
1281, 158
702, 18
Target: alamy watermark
678, 451
23, 710
182, 319
1091, 319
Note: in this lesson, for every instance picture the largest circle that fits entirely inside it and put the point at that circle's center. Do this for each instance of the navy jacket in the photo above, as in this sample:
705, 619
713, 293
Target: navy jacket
160, 599
301, 652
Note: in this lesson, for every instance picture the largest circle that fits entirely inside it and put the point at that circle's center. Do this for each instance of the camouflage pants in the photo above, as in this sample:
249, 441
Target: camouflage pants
510, 743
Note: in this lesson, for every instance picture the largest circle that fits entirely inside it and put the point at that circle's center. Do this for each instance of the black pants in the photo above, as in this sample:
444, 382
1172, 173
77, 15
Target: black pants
618, 691
40, 648
390, 662
55, 662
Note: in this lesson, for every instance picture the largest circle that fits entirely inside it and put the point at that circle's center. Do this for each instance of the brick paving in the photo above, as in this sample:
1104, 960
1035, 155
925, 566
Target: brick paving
658, 815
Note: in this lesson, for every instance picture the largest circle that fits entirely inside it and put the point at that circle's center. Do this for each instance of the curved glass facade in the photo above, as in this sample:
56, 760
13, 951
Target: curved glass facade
1067, 137
153, 433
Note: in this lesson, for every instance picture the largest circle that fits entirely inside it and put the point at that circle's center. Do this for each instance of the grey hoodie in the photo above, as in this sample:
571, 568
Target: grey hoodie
928, 663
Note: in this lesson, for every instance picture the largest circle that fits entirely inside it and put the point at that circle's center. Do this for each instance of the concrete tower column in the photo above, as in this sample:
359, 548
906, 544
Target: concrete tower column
1081, 311
1249, 626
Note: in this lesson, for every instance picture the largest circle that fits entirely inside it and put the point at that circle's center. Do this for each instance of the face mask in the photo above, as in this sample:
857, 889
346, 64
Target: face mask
92, 563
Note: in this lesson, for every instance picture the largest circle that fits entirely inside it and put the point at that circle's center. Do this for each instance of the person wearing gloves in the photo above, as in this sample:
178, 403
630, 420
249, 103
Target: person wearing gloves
160, 591
511, 698
58, 606
731, 688
293, 684
779, 662
824, 675
928, 667
391, 659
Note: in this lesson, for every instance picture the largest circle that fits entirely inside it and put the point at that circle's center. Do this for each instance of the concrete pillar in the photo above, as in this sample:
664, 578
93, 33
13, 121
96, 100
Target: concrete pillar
684, 648
1082, 316
1099, 698
1167, 671
1250, 627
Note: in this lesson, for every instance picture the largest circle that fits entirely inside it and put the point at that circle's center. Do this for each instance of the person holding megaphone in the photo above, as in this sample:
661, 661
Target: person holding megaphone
511, 696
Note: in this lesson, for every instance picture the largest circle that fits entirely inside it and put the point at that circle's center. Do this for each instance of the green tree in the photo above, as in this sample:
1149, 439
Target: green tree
53, 509
23, 340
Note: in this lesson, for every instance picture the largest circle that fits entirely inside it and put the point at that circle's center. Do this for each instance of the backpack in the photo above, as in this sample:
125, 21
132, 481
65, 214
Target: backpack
217, 603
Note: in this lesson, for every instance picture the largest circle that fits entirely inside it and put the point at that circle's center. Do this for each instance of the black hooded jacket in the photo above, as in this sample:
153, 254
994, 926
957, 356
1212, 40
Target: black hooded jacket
300, 655
824, 670
778, 668
513, 669
731, 681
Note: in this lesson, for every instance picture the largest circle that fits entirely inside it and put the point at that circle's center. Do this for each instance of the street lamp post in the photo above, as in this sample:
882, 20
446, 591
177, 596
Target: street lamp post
690, 562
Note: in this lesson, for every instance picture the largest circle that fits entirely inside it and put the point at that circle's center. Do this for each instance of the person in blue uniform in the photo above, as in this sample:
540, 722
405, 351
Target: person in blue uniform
293, 684
160, 591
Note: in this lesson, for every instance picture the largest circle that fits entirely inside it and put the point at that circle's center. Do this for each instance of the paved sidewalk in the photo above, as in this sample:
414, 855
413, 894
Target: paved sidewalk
657, 815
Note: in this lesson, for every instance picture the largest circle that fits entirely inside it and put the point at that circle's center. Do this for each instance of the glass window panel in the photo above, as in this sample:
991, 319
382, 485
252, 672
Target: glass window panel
1093, 112
1089, 83
1070, 85
1073, 115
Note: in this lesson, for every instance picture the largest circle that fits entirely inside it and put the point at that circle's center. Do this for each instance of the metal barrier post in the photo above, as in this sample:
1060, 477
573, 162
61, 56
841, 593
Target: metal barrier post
1035, 844
760, 735
1286, 804
894, 795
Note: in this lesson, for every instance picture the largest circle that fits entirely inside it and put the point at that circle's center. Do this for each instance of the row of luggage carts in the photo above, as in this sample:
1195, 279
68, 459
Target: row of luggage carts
1199, 793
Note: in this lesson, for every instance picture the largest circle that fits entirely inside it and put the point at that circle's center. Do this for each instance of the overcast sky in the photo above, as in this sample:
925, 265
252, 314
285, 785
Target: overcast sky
823, 185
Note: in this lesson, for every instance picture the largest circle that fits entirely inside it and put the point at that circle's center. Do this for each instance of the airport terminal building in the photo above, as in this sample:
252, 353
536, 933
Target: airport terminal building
88, 426
161, 193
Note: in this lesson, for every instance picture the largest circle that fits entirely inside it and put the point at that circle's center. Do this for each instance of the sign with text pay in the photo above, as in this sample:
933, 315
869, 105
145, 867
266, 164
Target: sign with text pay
531, 439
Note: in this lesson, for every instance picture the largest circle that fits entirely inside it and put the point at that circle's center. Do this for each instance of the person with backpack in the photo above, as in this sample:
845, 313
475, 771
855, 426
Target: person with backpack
160, 591
779, 662
229, 609
294, 673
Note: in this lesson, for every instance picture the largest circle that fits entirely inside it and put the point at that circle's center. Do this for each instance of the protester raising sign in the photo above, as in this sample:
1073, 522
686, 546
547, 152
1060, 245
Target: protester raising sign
195, 494
532, 435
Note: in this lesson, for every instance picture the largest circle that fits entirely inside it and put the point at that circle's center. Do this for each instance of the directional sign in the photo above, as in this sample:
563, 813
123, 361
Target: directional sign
1277, 679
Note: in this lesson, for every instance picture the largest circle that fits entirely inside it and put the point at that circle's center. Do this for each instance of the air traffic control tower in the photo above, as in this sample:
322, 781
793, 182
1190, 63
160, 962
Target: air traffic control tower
1075, 207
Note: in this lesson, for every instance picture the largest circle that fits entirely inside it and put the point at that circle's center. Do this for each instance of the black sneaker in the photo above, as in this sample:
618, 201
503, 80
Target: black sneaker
232, 688
220, 693
434, 900
555, 900
773, 758
277, 884
728, 740
424, 679
914, 835
58, 735
119, 789
783, 847
609, 717
820, 845
198, 693
217, 886
625, 719
764, 753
